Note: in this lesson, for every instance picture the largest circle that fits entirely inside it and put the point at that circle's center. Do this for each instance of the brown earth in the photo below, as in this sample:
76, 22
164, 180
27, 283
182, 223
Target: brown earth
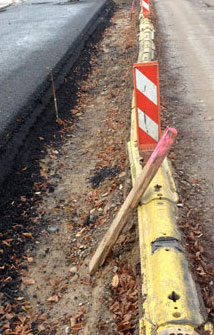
85, 178
78, 180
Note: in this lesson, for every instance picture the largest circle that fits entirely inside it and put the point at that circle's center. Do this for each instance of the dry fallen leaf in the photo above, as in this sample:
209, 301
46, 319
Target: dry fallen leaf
115, 306
55, 282
115, 281
201, 270
76, 320
6, 325
44, 174
191, 236
123, 326
77, 326
41, 327
20, 298
22, 318
54, 298
60, 121
30, 259
29, 235
122, 174
42, 317
127, 317
28, 281
9, 316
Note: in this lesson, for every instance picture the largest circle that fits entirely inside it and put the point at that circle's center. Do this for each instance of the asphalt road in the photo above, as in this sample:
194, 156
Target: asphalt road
36, 35
187, 28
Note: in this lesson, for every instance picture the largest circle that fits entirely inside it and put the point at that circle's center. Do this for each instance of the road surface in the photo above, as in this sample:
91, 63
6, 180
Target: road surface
36, 35
187, 31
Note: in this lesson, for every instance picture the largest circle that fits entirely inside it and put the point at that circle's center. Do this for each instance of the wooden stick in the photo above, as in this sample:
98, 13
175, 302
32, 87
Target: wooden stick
133, 198
54, 94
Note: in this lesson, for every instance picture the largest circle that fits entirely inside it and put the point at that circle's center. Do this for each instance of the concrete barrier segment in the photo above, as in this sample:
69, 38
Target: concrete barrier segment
171, 303
146, 43
171, 295
168, 288
162, 187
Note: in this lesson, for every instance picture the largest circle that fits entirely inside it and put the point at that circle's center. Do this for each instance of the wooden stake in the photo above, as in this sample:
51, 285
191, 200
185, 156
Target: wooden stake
54, 94
133, 198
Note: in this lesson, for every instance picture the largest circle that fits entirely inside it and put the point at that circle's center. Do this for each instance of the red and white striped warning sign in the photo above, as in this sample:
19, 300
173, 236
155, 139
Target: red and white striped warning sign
147, 104
145, 7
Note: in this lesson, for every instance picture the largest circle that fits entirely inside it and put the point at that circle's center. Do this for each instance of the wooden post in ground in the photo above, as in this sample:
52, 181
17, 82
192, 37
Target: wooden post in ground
133, 198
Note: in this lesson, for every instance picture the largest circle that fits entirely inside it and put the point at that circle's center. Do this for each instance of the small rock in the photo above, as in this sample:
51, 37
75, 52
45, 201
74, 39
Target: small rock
67, 330
180, 205
92, 218
73, 270
53, 229
122, 174
115, 268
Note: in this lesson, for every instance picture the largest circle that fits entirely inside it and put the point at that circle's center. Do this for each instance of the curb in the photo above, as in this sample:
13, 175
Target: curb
171, 302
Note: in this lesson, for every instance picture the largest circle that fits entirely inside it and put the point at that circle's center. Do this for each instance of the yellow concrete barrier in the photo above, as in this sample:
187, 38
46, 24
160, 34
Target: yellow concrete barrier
146, 43
171, 303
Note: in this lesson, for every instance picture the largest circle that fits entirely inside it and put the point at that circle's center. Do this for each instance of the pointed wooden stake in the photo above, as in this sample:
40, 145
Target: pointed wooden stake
133, 198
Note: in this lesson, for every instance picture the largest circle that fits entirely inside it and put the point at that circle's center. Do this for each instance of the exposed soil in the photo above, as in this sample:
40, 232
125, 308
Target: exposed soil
196, 210
68, 183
